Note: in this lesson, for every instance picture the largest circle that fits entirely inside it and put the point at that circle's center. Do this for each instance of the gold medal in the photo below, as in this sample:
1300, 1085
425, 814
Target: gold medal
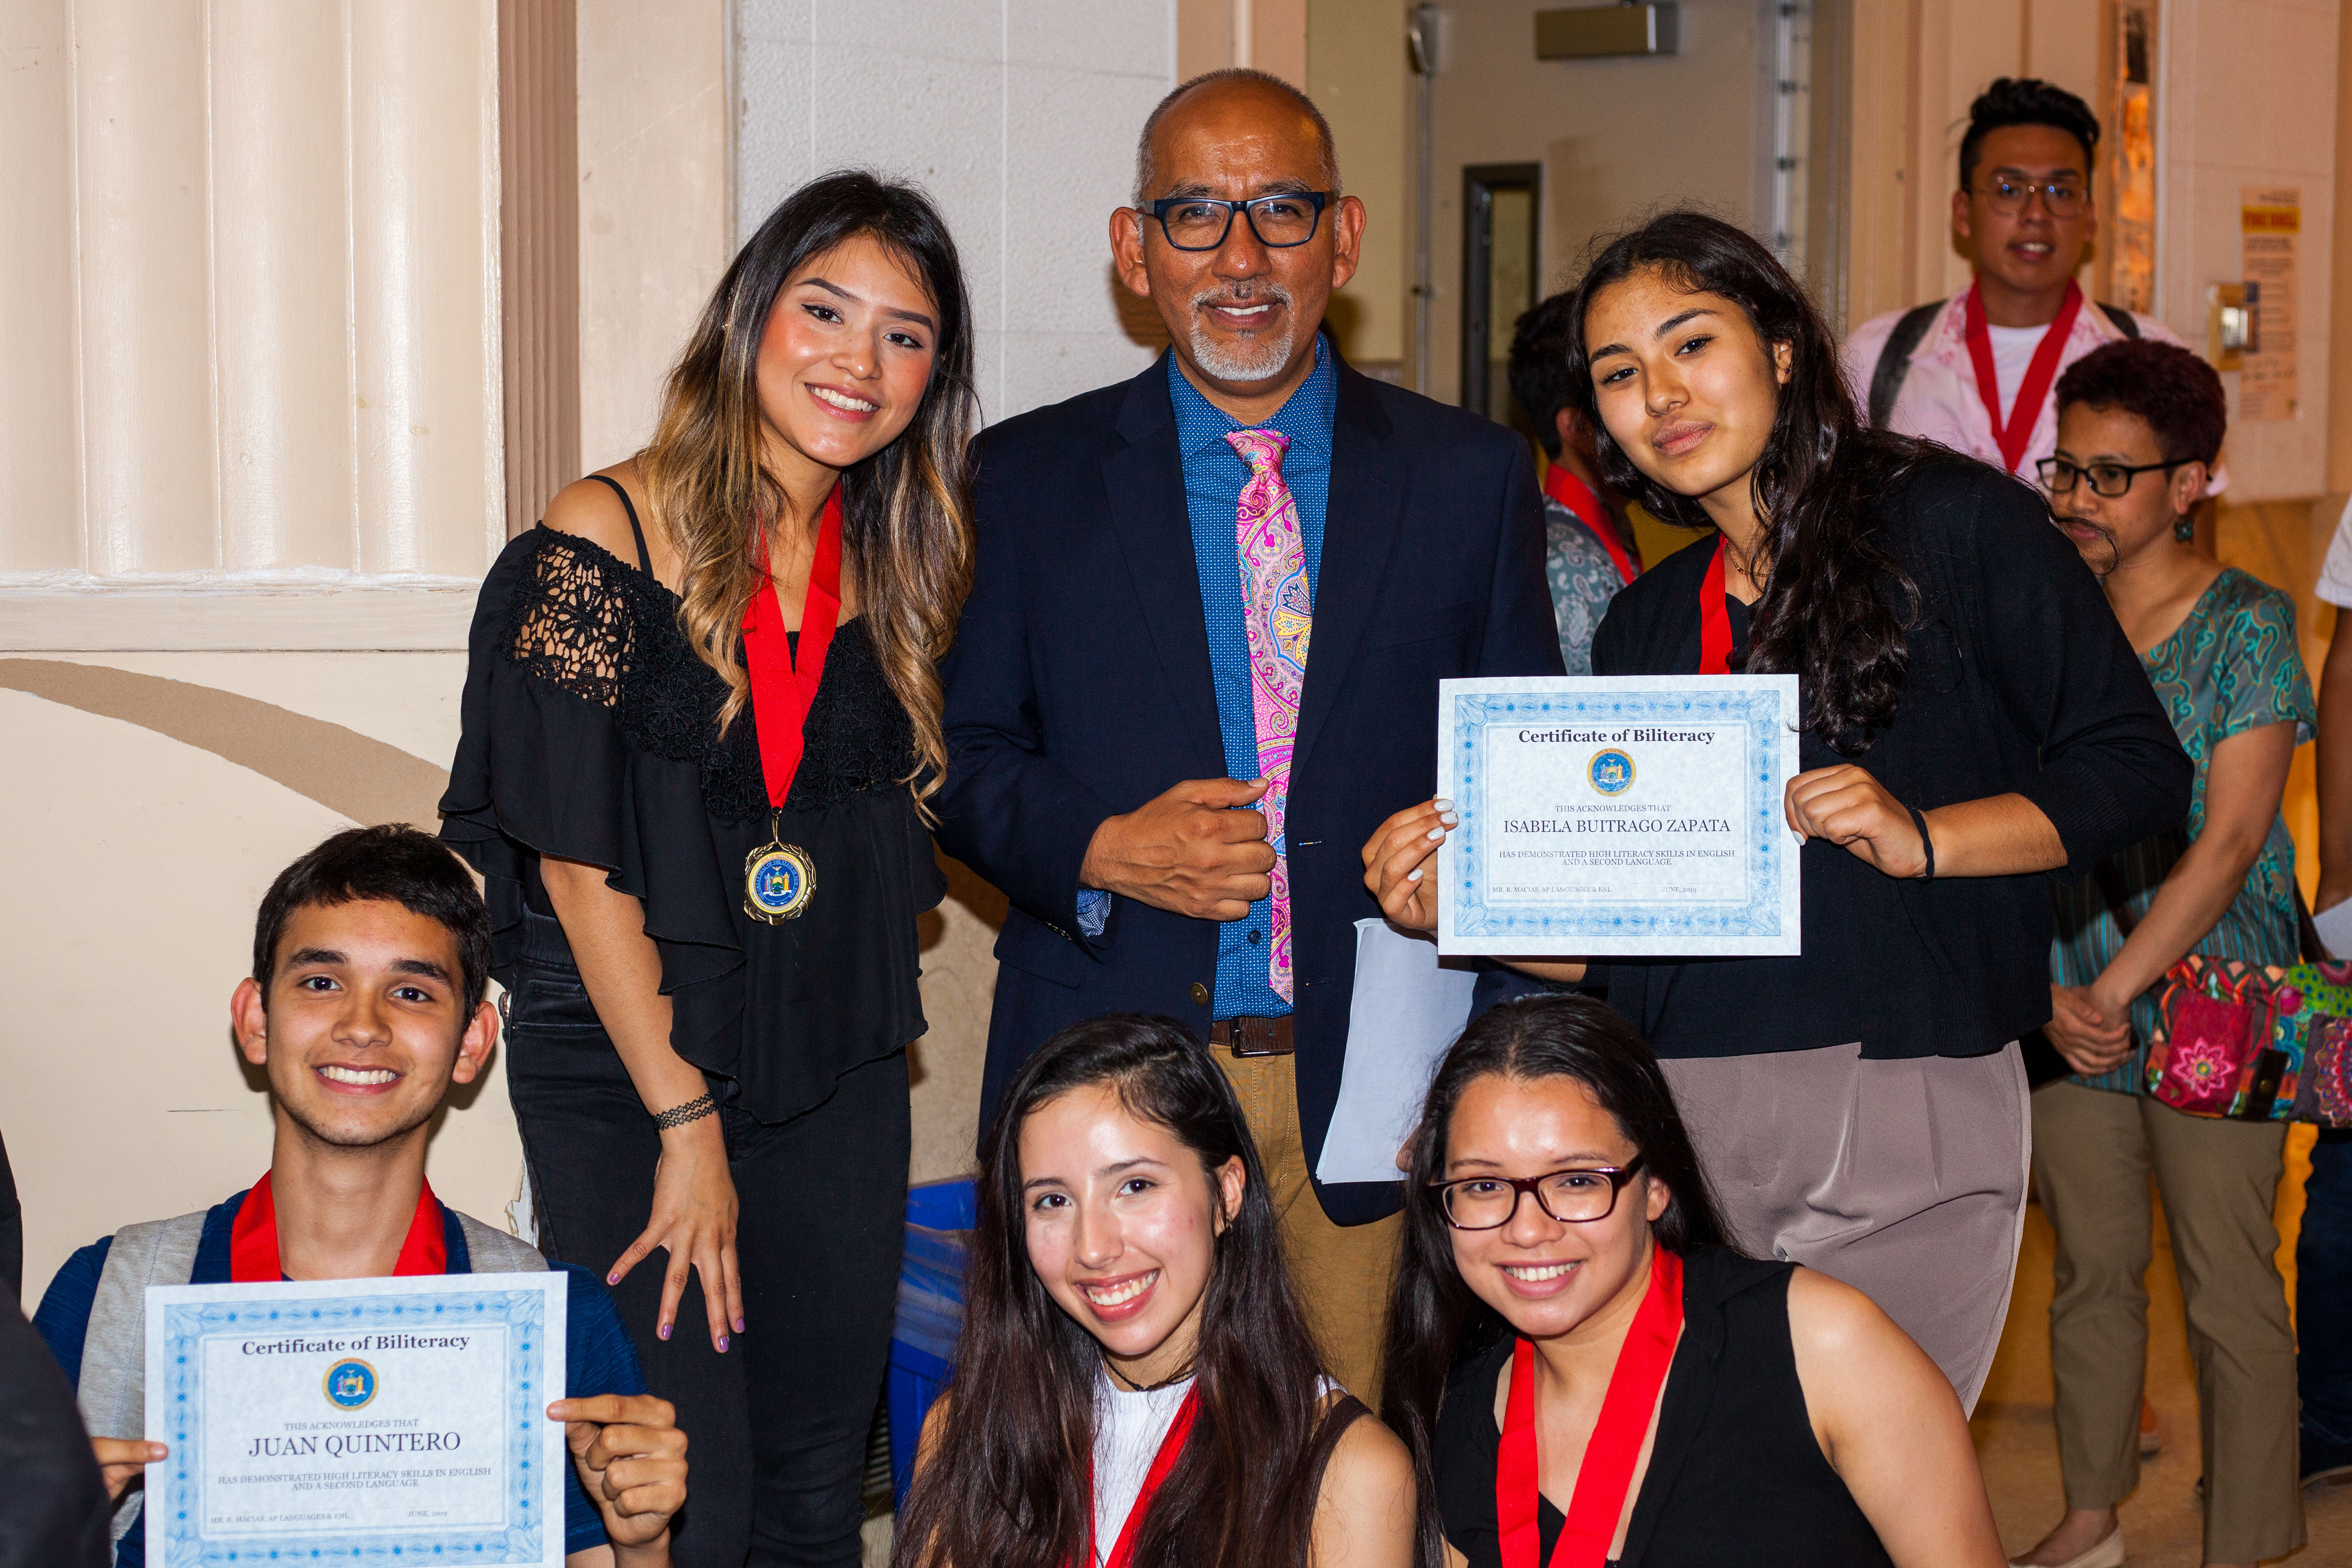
779, 879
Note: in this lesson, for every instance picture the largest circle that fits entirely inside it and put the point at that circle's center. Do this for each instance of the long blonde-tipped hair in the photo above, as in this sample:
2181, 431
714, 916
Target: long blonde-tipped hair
905, 526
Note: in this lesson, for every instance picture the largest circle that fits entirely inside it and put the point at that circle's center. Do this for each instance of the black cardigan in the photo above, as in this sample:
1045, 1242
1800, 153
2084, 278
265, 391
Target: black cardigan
2019, 681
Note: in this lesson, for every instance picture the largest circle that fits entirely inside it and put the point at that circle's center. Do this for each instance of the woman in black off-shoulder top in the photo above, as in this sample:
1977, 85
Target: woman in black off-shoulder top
707, 933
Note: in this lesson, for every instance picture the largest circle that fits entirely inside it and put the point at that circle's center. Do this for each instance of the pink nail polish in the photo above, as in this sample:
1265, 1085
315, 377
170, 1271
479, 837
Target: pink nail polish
722, 1344
664, 1331
612, 1278
738, 1325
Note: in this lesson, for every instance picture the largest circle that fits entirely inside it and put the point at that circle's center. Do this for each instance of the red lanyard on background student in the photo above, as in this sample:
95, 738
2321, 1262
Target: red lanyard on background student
253, 1257
2025, 413
1122, 1551
1606, 1473
779, 879
1576, 497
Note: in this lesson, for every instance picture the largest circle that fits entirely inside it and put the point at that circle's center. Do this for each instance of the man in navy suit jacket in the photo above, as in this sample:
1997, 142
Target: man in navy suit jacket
1103, 752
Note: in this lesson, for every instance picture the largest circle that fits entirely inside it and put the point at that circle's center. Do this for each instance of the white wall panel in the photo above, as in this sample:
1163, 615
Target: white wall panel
251, 263
40, 439
424, 162
282, 285
1018, 116
1132, 39
145, 266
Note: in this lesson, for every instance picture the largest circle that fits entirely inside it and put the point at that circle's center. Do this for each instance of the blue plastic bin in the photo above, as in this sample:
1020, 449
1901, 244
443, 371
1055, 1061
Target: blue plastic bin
939, 1218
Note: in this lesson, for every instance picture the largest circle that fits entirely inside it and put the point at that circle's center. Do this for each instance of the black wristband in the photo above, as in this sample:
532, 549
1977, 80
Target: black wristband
694, 1110
1926, 843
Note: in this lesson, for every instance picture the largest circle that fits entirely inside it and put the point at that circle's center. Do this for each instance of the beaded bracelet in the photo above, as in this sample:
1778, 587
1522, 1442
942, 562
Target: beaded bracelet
679, 1115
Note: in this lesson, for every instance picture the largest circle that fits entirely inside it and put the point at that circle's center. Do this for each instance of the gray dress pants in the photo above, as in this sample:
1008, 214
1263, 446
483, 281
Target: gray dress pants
1905, 1179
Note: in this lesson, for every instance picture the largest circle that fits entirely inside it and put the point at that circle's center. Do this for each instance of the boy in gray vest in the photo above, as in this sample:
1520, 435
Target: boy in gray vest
371, 956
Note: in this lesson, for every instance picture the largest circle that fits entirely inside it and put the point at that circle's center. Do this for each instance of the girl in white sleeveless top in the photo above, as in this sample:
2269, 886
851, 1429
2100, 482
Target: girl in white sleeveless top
1135, 1386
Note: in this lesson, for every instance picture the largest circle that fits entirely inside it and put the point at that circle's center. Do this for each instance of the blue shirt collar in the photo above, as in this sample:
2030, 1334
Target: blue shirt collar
1310, 409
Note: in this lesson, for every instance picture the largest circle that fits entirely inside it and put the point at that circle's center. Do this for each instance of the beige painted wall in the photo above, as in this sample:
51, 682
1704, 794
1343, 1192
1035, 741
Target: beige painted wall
1358, 75
656, 173
2250, 82
1594, 127
1267, 35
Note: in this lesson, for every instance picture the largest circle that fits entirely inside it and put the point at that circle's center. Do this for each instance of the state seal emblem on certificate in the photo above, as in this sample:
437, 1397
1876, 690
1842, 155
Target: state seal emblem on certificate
357, 1420
1618, 817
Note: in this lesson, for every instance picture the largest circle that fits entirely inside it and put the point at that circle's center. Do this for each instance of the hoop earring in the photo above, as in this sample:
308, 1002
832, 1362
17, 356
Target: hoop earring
2184, 528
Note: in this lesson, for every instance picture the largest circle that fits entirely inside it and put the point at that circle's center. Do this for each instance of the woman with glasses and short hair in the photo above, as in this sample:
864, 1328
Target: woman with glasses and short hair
1575, 1352
2139, 426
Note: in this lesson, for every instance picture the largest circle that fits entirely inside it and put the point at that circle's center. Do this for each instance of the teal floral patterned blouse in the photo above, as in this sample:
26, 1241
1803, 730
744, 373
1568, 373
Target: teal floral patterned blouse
2232, 666
1582, 580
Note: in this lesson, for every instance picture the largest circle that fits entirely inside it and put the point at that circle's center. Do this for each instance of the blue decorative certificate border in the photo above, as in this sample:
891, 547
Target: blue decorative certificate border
523, 1541
1647, 924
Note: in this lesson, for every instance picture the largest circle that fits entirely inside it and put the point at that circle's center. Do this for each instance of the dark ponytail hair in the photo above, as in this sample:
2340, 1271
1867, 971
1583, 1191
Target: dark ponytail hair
1434, 1319
1005, 1483
1829, 614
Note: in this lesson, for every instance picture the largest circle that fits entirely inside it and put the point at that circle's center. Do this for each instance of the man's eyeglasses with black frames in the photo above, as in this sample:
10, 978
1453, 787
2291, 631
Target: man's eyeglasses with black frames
1279, 221
1572, 1197
2063, 198
2109, 479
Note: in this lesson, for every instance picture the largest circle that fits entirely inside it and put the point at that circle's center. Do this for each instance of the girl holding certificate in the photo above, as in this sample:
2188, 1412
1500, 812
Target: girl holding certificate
701, 719
1585, 1373
1974, 721
1135, 1386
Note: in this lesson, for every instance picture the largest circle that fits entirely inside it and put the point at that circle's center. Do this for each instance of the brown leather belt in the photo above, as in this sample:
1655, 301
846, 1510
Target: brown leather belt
1253, 1037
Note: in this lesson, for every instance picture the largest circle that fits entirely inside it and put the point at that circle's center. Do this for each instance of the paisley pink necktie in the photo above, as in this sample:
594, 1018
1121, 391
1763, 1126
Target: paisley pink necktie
1280, 618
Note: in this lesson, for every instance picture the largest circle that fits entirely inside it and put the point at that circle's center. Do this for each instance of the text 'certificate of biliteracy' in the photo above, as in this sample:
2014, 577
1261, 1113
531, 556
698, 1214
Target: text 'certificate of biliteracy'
1618, 816
357, 1420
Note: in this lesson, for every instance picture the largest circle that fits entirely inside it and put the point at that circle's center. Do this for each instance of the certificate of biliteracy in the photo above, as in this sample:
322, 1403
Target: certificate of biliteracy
1618, 816
352, 1420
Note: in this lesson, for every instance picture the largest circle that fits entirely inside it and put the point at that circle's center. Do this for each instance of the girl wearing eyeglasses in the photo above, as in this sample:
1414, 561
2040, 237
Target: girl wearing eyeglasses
1586, 1373
1135, 1385
2140, 426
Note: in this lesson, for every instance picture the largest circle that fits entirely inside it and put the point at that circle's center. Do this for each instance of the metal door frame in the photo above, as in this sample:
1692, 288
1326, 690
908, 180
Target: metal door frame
1479, 184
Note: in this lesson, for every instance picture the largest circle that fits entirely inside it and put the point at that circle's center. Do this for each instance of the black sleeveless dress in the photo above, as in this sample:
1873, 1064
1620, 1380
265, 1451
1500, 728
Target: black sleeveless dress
590, 732
1737, 1479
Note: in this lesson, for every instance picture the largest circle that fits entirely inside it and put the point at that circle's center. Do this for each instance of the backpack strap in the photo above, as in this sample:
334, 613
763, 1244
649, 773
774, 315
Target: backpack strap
2126, 322
1895, 360
113, 1391
493, 1251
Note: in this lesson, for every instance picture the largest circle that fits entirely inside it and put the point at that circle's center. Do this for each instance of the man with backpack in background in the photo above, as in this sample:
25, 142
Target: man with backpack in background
1975, 371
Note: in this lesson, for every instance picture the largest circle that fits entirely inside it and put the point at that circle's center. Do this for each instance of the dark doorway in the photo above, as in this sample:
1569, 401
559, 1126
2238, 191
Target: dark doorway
1500, 263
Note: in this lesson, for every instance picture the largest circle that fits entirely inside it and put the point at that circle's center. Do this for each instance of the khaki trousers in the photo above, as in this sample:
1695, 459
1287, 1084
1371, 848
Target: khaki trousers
1905, 1179
1342, 1272
2093, 1152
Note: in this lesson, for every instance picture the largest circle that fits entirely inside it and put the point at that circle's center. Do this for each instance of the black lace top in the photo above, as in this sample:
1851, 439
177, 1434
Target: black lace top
590, 732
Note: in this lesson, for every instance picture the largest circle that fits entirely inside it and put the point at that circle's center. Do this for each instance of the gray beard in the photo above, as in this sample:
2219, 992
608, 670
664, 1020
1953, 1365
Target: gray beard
1260, 360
